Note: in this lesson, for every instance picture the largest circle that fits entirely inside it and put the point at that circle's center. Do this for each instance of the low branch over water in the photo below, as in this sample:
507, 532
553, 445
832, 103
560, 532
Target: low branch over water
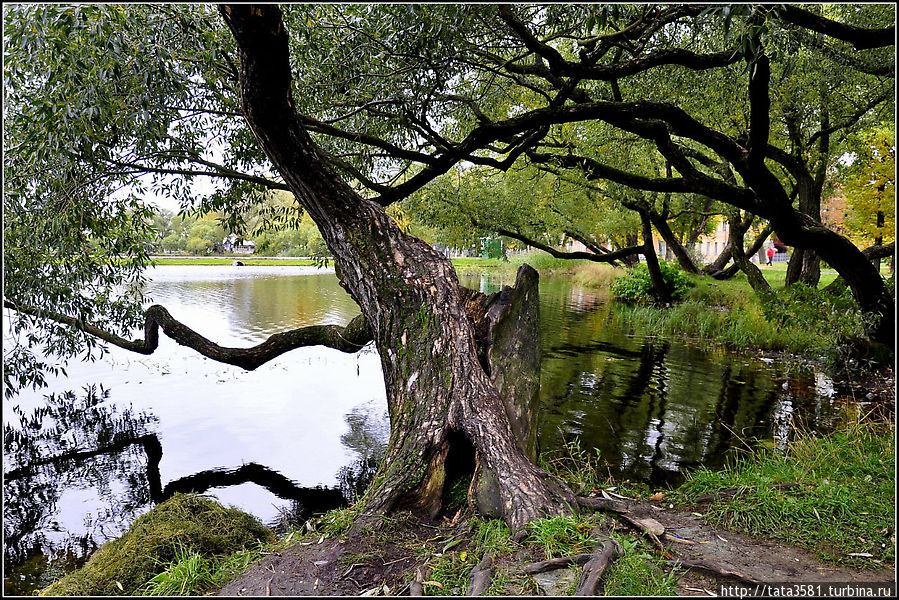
350, 338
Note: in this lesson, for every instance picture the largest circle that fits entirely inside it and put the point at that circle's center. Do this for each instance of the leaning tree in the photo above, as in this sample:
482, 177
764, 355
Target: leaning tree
352, 108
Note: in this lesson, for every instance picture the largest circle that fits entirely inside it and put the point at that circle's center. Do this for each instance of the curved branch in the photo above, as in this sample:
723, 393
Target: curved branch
224, 173
850, 120
558, 66
346, 339
369, 140
859, 37
871, 253
610, 257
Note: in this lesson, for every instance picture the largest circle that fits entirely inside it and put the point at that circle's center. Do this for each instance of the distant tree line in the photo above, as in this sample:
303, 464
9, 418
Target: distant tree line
203, 235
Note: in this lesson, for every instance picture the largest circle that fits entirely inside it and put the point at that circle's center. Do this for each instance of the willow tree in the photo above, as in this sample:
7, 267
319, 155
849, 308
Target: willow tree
350, 109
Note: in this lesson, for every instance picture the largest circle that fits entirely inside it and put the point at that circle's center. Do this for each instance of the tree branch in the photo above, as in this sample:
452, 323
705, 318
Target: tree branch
851, 119
759, 106
224, 173
346, 339
859, 37
610, 257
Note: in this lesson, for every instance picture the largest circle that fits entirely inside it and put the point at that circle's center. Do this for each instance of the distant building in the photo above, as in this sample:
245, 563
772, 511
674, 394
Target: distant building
834, 211
709, 246
232, 243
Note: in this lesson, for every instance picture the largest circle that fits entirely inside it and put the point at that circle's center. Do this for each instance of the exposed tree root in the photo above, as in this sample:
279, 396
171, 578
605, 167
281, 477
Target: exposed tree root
590, 583
603, 504
713, 568
650, 527
481, 576
556, 563
734, 492
416, 588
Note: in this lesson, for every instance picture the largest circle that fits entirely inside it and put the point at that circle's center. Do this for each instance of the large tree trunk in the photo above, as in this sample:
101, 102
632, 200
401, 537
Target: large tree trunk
673, 244
805, 263
631, 260
736, 232
660, 290
507, 335
443, 405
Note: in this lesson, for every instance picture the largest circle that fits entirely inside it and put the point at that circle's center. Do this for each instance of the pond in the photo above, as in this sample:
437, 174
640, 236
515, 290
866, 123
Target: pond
85, 457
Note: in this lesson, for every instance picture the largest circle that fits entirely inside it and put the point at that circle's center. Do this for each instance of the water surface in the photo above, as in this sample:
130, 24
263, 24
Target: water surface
317, 417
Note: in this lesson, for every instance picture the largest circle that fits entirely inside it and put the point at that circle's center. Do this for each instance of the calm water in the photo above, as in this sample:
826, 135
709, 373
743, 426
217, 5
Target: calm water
317, 417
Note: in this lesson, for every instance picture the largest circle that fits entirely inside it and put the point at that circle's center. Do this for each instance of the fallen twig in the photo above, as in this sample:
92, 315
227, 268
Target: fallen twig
677, 538
647, 526
353, 566
590, 582
556, 563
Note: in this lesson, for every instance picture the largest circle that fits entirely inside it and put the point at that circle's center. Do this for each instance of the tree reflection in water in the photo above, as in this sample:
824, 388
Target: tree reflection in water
369, 430
76, 445
80, 448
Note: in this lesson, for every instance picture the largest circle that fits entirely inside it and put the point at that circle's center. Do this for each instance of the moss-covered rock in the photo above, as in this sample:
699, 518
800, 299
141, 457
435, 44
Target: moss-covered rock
196, 523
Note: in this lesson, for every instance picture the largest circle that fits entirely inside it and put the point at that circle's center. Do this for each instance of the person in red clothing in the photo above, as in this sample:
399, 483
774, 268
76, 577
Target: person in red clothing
770, 254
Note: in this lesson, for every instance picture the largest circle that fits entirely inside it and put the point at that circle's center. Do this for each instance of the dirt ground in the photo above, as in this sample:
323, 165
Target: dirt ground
365, 564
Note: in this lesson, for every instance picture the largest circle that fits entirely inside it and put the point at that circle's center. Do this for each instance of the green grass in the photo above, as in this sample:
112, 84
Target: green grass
729, 313
173, 530
563, 535
491, 536
574, 465
451, 571
845, 503
192, 574
249, 262
338, 521
639, 572
189, 574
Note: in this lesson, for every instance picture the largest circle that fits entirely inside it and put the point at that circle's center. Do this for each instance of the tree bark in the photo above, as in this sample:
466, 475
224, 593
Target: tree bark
673, 244
736, 231
441, 401
753, 274
660, 290
631, 260
874, 252
805, 263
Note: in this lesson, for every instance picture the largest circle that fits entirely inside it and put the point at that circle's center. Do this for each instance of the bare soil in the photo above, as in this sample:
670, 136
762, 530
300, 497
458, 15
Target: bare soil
353, 565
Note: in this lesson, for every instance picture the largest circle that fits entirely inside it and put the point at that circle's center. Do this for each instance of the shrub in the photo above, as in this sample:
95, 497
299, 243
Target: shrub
636, 285
194, 524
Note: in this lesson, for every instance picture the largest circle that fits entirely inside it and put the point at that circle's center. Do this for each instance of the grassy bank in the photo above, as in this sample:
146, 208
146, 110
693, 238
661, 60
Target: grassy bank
202, 543
797, 320
839, 501
727, 313
250, 262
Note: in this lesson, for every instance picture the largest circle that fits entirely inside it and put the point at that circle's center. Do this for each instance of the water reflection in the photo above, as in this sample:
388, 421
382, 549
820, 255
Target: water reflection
77, 444
368, 433
252, 439
73, 450
655, 409
316, 417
